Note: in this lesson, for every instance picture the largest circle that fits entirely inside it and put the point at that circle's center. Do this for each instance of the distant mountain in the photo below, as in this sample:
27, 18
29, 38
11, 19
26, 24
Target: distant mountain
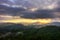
11, 26
5, 27
55, 23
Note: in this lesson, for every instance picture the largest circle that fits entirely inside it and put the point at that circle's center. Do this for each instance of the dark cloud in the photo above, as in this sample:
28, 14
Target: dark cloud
38, 14
57, 12
42, 13
10, 10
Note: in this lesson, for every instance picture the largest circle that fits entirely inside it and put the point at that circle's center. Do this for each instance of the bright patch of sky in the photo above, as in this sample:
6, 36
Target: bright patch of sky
12, 1
35, 3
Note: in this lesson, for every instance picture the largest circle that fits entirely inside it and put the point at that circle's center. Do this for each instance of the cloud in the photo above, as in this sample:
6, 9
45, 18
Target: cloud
42, 13
10, 10
30, 3
38, 14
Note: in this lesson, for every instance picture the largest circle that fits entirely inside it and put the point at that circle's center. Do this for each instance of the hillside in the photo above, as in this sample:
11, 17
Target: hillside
21, 32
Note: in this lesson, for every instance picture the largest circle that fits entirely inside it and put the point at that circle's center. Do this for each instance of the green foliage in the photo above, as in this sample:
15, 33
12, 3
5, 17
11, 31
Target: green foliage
44, 33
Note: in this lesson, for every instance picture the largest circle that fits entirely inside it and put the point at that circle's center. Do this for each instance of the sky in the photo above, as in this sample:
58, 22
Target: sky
32, 3
30, 9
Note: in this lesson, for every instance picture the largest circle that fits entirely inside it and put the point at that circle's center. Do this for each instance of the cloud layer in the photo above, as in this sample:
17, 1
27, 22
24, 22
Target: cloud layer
30, 3
24, 13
